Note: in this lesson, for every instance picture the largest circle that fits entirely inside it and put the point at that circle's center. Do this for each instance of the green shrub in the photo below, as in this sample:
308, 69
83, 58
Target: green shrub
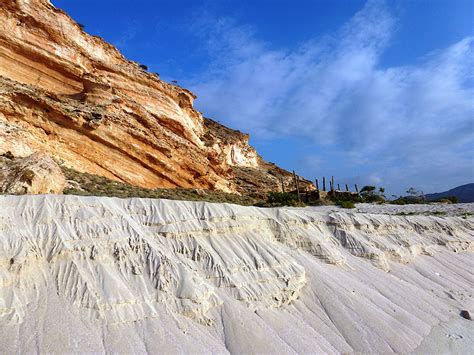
453, 199
374, 198
407, 200
347, 204
367, 189
398, 201
283, 199
370, 194
447, 199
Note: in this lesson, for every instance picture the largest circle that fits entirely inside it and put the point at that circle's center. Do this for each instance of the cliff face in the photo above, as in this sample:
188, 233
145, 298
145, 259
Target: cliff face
250, 172
77, 98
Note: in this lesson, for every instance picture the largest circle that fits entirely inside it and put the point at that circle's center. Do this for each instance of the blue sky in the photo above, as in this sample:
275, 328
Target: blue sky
372, 92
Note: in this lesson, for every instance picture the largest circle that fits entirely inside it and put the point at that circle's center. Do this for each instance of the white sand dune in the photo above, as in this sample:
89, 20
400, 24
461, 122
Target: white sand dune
82, 274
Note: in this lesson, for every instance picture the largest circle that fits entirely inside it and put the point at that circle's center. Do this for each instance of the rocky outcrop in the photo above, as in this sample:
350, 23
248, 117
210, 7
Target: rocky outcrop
35, 174
75, 97
251, 173
88, 274
231, 146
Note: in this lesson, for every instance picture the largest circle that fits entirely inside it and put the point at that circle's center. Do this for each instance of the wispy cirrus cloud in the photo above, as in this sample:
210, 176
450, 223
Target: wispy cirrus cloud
128, 35
334, 92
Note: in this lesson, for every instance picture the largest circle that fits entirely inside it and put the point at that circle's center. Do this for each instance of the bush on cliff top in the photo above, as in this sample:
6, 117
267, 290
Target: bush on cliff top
276, 199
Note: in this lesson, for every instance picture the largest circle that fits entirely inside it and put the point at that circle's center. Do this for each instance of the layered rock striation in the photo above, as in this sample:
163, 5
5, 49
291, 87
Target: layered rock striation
75, 97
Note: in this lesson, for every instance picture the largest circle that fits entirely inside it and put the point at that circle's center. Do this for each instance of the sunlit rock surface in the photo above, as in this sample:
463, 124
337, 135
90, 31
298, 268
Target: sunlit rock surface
91, 274
75, 97
35, 174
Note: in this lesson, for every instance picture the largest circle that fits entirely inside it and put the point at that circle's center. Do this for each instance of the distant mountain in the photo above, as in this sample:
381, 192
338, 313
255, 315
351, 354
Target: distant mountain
465, 193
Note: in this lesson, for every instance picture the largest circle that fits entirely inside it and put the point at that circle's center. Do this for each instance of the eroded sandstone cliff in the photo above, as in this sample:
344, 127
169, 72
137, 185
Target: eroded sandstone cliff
77, 98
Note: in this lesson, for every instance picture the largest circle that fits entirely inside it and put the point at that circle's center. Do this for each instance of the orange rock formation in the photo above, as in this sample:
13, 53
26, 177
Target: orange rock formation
75, 97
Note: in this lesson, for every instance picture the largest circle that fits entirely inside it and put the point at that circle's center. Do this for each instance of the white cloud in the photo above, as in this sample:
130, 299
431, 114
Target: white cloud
333, 91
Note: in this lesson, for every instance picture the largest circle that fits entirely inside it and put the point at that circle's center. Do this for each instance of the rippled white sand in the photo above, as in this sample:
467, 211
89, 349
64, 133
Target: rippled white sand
85, 274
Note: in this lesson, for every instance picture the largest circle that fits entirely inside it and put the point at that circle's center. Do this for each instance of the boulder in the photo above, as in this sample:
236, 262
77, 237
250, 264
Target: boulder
35, 174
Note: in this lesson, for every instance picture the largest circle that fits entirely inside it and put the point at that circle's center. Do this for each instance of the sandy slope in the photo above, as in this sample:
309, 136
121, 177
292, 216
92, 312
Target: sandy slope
138, 275
457, 209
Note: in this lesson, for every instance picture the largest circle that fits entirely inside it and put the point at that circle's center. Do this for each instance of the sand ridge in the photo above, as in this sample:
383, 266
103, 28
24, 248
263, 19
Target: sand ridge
106, 275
